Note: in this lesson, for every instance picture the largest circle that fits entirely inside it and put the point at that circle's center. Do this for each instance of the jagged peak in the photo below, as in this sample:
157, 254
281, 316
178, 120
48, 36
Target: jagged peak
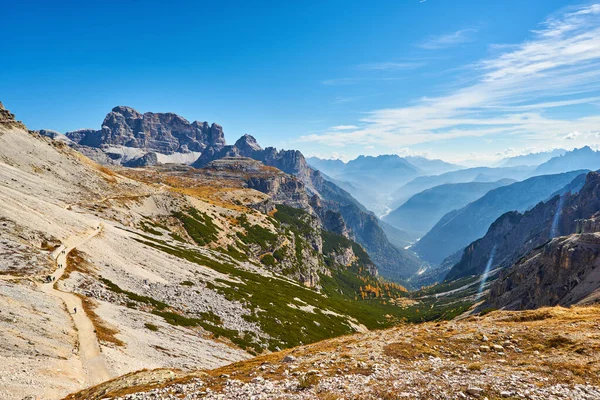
586, 149
247, 142
125, 110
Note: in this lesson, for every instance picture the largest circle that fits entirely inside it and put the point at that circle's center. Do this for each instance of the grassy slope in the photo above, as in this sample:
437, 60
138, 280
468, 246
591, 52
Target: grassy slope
289, 313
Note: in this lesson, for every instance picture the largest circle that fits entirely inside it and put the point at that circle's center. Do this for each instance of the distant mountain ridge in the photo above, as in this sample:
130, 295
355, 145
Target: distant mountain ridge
477, 174
583, 158
128, 137
459, 228
371, 179
161, 132
538, 267
422, 211
531, 158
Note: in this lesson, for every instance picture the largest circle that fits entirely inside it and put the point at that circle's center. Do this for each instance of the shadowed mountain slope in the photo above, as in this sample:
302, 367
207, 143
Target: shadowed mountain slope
422, 211
460, 227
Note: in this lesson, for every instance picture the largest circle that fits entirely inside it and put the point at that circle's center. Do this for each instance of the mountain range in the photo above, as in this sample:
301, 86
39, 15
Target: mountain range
545, 256
168, 267
460, 227
531, 159
133, 139
477, 174
423, 210
371, 179
583, 158
393, 262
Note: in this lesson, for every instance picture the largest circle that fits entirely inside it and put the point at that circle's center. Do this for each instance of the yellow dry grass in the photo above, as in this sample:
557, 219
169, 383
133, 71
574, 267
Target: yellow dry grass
559, 345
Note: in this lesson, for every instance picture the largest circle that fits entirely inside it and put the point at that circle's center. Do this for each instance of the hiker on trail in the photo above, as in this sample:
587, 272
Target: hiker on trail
74, 310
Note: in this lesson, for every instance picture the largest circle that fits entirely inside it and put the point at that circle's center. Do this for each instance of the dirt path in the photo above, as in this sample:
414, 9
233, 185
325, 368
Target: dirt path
89, 349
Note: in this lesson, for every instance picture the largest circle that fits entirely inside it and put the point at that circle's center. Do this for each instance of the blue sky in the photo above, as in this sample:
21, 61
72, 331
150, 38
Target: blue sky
458, 80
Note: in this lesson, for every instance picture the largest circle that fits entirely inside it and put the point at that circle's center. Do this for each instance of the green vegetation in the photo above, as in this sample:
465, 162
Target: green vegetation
148, 229
235, 253
268, 260
177, 237
198, 225
281, 253
294, 218
334, 243
187, 283
269, 299
256, 234
151, 327
179, 320
134, 296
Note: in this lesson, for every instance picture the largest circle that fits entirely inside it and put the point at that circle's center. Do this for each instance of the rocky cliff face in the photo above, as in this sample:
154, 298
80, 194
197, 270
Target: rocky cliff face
457, 229
330, 203
289, 161
158, 132
7, 119
282, 188
514, 234
563, 272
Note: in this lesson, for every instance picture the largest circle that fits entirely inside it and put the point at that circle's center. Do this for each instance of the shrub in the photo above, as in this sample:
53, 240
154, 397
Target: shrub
151, 327
268, 260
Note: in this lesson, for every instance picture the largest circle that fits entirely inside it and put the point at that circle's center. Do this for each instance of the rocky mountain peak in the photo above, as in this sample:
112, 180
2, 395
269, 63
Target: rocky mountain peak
164, 133
126, 112
247, 143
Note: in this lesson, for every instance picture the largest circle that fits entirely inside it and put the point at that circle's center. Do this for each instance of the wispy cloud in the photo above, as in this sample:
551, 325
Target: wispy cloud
448, 40
344, 127
513, 93
346, 99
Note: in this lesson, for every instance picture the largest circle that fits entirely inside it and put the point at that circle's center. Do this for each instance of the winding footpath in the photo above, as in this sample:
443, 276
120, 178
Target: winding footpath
89, 350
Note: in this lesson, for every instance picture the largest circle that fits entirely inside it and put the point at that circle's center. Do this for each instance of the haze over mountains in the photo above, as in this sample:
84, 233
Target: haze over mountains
531, 158
460, 227
371, 180
423, 210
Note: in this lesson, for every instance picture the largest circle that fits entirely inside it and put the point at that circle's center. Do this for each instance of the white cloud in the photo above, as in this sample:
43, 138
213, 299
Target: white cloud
344, 127
406, 152
448, 40
512, 95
